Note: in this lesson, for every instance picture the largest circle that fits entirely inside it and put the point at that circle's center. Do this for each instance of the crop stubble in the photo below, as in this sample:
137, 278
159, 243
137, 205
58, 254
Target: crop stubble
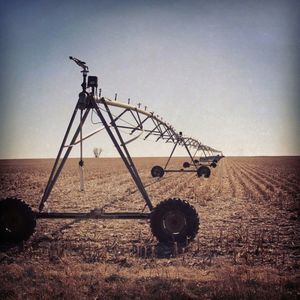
249, 212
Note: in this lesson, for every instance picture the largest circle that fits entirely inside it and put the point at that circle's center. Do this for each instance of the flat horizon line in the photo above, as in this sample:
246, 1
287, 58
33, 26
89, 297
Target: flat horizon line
118, 157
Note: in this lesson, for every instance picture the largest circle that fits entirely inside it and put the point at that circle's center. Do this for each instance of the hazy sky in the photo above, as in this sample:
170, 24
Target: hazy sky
226, 72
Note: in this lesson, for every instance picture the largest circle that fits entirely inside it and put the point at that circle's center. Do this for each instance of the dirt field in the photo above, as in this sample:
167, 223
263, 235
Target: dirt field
248, 245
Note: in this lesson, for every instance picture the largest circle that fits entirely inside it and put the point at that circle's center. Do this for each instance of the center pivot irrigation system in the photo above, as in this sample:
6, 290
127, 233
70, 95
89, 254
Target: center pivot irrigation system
171, 220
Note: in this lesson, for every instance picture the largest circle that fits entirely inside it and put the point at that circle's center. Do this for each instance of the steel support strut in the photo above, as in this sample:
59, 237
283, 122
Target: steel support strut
59, 153
92, 215
190, 155
171, 155
195, 154
58, 166
123, 152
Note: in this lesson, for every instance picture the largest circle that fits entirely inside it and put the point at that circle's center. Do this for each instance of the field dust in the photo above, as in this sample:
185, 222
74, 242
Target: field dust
248, 245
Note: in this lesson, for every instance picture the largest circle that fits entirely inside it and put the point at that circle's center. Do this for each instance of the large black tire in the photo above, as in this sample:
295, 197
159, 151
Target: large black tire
157, 171
186, 164
213, 164
174, 220
17, 221
203, 171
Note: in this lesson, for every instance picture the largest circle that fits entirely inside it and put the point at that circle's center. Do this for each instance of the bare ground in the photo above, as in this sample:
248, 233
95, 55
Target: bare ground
248, 245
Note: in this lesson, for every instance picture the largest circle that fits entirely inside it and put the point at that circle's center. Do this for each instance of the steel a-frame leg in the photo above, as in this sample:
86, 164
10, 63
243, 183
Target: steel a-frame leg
122, 149
194, 155
172, 152
58, 165
171, 155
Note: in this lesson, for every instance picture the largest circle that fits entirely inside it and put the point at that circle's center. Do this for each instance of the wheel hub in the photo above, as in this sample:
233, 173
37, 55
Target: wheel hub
157, 171
174, 222
11, 222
